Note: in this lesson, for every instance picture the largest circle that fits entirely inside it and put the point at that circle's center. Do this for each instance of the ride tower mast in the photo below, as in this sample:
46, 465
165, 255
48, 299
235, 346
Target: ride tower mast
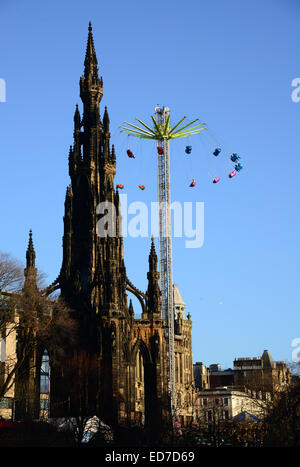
165, 248
162, 132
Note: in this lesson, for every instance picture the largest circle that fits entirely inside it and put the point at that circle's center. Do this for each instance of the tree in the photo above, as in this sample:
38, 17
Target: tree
11, 273
281, 425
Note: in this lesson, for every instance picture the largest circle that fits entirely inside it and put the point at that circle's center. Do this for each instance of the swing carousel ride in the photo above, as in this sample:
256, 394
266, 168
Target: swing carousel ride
162, 133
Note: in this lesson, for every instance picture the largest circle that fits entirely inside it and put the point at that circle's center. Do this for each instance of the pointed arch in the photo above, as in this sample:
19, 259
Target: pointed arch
141, 346
145, 380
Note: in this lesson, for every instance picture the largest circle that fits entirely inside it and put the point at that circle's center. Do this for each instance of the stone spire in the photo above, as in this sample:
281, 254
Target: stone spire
77, 121
152, 257
30, 253
91, 86
90, 62
153, 291
130, 309
30, 272
93, 262
106, 121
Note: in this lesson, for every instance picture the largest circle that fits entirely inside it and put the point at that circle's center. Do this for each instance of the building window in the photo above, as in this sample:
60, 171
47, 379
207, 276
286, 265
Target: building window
205, 402
45, 370
44, 404
2, 350
226, 415
5, 403
226, 401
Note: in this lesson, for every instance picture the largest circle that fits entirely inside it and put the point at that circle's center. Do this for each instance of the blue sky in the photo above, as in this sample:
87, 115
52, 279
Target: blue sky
229, 63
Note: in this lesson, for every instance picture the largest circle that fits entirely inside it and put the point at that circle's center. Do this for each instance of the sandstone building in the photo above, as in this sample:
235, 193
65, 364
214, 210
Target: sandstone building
261, 373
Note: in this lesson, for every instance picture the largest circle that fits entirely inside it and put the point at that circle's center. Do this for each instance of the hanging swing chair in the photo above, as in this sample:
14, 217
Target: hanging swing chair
188, 149
215, 180
142, 187
232, 174
234, 157
129, 154
120, 186
217, 151
160, 150
193, 183
238, 167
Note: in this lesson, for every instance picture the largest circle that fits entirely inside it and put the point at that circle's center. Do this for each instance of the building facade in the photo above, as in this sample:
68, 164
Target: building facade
8, 346
222, 403
185, 384
259, 372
